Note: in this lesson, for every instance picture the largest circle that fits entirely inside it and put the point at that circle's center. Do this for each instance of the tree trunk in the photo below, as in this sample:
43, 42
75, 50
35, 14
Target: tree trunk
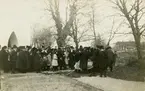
108, 44
61, 41
139, 51
76, 43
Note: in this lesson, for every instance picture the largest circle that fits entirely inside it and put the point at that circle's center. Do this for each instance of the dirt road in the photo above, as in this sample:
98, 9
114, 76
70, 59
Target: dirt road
111, 84
41, 82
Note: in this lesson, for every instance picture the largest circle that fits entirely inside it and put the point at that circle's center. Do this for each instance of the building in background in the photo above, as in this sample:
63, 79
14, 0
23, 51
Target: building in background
123, 46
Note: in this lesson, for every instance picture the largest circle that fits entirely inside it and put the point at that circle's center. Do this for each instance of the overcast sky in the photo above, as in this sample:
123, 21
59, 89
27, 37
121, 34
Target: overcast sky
21, 15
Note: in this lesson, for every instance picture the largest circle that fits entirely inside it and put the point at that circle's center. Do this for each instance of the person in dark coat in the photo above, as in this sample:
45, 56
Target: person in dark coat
71, 61
4, 59
29, 55
36, 60
102, 62
94, 55
111, 57
13, 59
84, 56
77, 56
22, 60
61, 60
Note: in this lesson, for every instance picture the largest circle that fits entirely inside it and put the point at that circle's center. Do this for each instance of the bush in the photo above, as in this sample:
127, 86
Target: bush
126, 58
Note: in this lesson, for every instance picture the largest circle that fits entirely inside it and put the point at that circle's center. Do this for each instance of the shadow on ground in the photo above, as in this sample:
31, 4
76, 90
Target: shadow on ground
129, 73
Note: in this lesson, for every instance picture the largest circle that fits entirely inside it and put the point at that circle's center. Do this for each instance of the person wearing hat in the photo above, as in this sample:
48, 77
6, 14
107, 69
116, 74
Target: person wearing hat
36, 60
4, 59
22, 60
13, 59
101, 63
110, 57
29, 55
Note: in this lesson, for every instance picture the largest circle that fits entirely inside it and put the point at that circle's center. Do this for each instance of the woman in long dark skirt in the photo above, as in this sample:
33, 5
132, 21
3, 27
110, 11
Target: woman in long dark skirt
22, 60
84, 60
4, 59
13, 59
36, 60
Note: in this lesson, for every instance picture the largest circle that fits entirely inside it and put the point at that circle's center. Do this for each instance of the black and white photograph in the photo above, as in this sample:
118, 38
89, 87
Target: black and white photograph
72, 45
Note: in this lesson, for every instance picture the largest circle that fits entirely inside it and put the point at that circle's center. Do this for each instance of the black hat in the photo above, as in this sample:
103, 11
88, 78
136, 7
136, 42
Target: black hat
34, 49
101, 47
4, 47
14, 46
22, 47
108, 47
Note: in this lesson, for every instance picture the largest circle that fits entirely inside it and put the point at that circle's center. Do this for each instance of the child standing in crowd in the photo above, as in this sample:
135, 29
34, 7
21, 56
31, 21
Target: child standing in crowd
54, 61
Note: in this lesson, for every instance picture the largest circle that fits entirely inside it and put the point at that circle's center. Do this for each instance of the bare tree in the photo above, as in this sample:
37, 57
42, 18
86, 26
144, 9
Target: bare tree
80, 28
99, 41
74, 33
78, 33
42, 37
114, 31
92, 23
63, 29
134, 16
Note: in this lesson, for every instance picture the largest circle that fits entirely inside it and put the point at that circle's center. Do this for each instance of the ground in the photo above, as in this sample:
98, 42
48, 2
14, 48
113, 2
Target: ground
125, 78
42, 82
129, 73
111, 84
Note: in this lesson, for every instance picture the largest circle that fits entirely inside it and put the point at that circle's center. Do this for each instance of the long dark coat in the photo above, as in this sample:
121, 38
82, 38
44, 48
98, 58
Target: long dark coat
36, 62
71, 61
84, 59
102, 61
77, 56
4, 60
22, 61
60, 56
13, 59
29, 61
94, 58
110, 55
30, 58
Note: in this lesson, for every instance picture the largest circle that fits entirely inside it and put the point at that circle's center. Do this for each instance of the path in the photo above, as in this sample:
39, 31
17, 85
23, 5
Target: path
41, 82
110, 84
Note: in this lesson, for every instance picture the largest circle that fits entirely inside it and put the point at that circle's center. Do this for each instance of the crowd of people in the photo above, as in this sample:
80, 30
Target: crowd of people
29, 59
